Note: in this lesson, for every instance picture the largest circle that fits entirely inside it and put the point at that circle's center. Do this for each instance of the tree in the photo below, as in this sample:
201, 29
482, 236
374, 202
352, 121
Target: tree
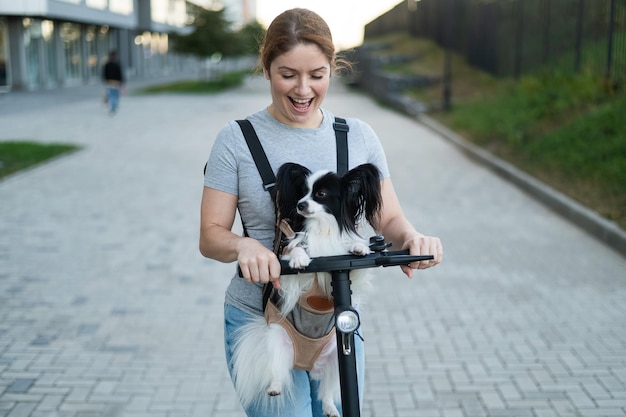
212, 34
250, 37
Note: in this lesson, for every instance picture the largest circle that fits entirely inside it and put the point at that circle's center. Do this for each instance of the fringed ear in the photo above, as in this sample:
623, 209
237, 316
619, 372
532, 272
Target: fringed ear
290, 188
361, 186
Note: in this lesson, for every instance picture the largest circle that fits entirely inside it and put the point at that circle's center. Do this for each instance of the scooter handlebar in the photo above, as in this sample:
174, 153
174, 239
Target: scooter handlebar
350, 262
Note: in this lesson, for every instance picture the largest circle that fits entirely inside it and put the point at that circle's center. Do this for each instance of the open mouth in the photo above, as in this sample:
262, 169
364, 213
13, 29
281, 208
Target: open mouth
301, 105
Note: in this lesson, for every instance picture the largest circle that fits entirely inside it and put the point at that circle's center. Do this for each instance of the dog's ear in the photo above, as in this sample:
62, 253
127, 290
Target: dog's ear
361, 189
290, 188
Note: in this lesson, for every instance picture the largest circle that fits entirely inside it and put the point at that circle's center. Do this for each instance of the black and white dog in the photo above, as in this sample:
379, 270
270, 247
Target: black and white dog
324, 212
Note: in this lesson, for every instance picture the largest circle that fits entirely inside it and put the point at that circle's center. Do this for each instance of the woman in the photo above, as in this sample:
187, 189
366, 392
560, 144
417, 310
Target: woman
298, 60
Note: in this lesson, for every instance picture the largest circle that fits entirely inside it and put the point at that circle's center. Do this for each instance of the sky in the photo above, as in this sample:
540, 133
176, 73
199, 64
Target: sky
346, 18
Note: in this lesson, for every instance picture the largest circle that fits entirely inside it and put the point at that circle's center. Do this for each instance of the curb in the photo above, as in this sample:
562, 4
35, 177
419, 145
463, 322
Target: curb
602, 229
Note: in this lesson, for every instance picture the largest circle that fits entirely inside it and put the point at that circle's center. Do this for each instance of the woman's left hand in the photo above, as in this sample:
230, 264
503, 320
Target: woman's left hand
422, 245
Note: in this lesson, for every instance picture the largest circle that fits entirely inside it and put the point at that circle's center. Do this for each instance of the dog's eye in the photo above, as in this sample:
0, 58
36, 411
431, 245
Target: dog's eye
321, 193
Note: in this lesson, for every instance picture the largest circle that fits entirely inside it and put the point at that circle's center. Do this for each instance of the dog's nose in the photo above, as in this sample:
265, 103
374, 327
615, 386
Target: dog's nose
302, 206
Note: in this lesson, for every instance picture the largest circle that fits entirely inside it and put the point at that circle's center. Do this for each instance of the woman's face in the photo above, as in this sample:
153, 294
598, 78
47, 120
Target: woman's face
299, 80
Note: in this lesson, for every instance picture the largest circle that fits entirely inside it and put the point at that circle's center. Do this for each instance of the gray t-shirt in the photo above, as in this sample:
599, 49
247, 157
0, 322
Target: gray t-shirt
231, 169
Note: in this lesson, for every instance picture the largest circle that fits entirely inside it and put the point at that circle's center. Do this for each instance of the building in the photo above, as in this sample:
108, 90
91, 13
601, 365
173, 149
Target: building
52, 43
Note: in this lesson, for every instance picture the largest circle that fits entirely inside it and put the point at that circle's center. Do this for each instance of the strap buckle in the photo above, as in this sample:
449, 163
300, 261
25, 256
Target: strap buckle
342, 127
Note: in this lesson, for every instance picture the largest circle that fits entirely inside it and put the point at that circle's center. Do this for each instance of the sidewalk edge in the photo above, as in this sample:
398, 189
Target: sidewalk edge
604, 230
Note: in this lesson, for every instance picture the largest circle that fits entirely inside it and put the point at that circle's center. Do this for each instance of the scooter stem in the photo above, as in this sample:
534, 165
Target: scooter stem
347, 360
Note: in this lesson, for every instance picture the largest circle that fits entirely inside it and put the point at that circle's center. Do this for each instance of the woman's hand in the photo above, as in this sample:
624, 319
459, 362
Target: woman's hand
422, 245
396, 228
258, 264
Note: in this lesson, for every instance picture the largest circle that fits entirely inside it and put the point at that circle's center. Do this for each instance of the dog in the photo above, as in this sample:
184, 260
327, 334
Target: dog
321, 214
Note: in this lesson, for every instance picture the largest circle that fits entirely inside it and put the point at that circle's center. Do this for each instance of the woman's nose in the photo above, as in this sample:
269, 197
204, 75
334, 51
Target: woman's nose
303, 86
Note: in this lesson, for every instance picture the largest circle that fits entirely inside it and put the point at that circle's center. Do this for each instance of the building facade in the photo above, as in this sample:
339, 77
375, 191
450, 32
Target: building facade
54, 43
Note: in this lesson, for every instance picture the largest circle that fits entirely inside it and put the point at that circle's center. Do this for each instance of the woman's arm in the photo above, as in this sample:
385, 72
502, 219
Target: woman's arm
217, 215
397, 229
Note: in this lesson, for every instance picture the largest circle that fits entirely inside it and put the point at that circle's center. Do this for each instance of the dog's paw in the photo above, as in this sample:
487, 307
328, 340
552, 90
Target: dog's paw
330, 410
298, 258
274, 389
359, 248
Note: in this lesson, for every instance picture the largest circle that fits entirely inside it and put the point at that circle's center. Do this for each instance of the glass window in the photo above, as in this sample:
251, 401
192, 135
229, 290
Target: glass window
70, 36
103, 45
97, 4
164, 44
49, 48
4, 56
121, 6
172, 12
158, 10
91, 34
32, 50
178, 13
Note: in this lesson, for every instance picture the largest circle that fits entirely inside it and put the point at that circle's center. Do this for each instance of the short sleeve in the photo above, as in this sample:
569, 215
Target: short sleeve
221, 168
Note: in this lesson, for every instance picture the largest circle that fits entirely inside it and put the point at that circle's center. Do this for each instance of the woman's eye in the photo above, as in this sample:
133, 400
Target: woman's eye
287, 76
317, 77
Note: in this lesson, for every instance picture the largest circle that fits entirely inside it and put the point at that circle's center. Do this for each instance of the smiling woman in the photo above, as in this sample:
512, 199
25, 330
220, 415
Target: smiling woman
298, 59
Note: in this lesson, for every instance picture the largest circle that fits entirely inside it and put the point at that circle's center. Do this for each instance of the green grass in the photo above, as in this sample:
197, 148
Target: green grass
225, 82
18, 155
577, 146
567, 129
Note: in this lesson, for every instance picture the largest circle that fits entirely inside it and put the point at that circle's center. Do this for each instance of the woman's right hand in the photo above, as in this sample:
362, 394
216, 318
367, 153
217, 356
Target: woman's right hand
257, 263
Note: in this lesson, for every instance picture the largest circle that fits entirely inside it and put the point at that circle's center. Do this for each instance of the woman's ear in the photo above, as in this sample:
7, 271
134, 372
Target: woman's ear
266, 72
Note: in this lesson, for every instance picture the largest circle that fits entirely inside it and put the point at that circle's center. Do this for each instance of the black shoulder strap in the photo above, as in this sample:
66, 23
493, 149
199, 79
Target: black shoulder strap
263, 165
260, 158
341, 135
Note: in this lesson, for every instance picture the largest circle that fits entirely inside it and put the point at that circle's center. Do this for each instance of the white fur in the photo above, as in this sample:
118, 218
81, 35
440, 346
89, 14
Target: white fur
262, 362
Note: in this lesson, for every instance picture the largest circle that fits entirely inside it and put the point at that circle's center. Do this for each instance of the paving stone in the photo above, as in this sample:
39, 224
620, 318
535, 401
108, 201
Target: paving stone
20, 386
22, 409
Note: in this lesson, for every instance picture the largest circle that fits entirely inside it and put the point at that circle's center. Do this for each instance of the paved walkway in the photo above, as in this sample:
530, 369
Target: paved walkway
107, 308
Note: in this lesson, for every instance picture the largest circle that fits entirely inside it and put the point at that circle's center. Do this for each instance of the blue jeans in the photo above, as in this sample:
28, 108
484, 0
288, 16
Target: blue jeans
305, 403
113, 98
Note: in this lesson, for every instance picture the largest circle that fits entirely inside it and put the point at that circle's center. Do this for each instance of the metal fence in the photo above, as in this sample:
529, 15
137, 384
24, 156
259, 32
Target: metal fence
514, 37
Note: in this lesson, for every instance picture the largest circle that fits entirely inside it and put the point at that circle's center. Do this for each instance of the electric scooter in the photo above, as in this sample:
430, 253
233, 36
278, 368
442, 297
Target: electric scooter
346, 317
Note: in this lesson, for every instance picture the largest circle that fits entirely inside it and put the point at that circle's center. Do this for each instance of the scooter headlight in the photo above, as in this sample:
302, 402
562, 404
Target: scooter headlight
347, 321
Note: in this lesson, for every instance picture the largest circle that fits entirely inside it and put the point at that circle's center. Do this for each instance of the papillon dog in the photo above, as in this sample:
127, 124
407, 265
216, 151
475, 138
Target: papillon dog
321, 214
